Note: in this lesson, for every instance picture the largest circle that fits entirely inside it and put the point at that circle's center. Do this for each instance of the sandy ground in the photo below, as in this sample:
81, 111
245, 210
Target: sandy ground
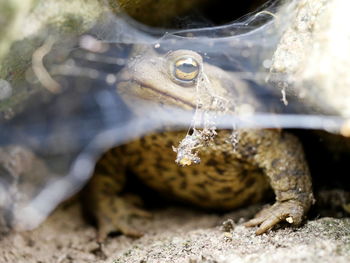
179, 234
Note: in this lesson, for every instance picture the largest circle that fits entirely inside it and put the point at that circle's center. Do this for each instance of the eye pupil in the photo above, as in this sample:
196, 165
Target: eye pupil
186, 69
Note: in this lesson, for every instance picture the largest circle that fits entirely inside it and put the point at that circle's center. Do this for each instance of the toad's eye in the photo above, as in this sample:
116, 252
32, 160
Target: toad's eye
186, 69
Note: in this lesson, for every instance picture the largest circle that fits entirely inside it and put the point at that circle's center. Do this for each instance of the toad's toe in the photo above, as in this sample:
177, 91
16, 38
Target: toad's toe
291, 211
115, 216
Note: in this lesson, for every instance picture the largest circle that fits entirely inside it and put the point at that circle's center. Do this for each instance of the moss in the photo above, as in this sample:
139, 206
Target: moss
24, 28
12, 14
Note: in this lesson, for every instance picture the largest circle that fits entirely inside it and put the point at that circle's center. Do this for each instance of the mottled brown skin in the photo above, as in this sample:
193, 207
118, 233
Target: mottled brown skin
227, 177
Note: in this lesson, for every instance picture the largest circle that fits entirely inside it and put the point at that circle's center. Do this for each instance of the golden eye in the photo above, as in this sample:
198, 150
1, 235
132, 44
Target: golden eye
186, 69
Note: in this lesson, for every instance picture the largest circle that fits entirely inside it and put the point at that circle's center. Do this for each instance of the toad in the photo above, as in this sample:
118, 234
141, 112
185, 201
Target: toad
229, 175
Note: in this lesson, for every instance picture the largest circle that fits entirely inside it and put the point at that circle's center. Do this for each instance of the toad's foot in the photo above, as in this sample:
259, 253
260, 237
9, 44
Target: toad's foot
292, 211
115, 214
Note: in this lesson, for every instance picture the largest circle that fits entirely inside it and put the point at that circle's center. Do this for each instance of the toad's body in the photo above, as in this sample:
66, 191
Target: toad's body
228, 176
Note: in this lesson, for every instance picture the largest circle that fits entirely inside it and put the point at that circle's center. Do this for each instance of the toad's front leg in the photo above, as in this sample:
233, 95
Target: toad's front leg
282, 159
102, 198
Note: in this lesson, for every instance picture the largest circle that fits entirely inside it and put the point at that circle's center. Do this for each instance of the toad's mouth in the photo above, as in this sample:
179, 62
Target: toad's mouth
152, 90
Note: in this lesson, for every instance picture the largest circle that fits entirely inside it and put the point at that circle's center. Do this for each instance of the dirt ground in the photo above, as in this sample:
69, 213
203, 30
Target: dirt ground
179, 234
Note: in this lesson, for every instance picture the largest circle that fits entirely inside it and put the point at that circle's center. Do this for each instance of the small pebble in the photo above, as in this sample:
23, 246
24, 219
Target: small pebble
290, 220
228, 225
228, 236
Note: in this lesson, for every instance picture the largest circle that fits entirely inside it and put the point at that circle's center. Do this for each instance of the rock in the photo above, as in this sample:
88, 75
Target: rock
312, 60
